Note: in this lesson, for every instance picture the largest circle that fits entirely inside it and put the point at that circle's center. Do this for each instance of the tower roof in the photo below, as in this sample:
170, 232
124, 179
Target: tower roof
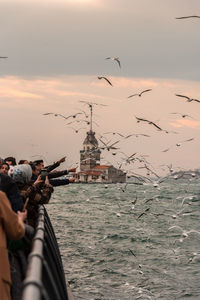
90, 139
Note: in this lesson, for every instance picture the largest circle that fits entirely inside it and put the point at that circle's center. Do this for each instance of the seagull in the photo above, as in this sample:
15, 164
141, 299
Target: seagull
132, 252
134, 201
103, 77
108, 147
144, 213
124, 187
76, 130
60, 115
3, 57
142, 134
189, 140
140, 94
187, 17
184, 232
188, 98
165, 150
149, 122
111, 132
129, 158
116, 59
182, 115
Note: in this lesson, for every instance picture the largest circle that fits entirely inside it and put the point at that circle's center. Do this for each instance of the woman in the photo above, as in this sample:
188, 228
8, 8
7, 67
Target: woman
33, 194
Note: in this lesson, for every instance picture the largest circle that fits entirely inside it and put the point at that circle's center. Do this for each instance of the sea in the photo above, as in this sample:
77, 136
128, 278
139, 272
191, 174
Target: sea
128, 241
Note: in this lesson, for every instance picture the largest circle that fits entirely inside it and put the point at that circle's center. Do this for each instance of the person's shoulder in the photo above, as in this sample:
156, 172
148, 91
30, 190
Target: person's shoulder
5, 177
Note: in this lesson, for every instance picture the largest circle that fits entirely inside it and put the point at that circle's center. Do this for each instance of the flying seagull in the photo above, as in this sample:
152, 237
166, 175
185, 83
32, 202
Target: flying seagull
76, 130
116, 59
144, 213
108, 147
103, 77
62, 116
189, 140
187, 17
182, 115
3, 57
149, 122
188, 98
140, 94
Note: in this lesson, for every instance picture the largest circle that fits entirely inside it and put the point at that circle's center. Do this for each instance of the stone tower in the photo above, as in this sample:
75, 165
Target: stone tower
90, 155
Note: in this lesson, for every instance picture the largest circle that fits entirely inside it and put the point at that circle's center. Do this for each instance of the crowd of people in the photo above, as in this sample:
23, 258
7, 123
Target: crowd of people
23, 187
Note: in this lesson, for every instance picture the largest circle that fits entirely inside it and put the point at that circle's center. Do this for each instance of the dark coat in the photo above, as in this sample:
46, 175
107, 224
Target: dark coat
35, 196
8, 186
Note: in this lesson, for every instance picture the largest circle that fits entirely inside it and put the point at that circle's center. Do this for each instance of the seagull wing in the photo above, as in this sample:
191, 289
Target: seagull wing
196, 100
132, 95
175, 226
132, 252
166, 150
144, 120
145, 91
46, 114
152, 123
103, 77
114, 143
103, 143
187, 17
118, 61
183, 96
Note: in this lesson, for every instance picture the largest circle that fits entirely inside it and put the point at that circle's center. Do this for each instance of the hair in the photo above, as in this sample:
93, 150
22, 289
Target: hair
21, 161
38, 162
12, 159
33, 166
4, 163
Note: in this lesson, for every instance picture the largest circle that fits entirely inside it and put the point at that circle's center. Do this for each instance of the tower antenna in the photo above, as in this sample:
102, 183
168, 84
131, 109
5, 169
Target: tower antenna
91, 112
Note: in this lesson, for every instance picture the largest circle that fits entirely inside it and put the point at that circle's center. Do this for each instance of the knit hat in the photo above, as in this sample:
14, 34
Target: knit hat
21, 173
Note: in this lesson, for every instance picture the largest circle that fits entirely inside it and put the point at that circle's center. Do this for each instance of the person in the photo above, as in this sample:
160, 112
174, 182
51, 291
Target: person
10, 160
38, 168
33, 194
4, 168
11, 226
40, 164
8, 186
23, 161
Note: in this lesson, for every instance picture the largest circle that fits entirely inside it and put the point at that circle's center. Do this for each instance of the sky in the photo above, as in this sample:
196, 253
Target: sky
57, 49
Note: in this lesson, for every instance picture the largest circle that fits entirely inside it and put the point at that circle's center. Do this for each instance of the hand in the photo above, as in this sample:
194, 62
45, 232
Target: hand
71, 180
47, 180
72, 170
22, 215
62, 159
38, 181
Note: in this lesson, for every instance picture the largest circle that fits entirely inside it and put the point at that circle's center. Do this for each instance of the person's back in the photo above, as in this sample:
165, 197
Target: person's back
11, 226
8, 186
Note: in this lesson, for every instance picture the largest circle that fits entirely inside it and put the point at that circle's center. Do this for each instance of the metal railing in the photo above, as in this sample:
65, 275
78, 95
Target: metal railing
45, 279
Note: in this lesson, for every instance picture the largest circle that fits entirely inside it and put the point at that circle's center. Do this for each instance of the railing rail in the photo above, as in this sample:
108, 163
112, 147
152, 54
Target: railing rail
45, 279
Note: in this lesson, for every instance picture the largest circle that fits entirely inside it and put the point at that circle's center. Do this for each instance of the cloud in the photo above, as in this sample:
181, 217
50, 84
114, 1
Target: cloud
186, 123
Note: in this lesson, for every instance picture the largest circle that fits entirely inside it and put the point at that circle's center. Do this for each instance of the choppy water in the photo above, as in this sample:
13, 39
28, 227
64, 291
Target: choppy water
110, 253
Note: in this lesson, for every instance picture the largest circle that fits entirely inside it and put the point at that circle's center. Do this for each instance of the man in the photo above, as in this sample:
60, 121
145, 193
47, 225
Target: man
38, 168
11, 226
40, 164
